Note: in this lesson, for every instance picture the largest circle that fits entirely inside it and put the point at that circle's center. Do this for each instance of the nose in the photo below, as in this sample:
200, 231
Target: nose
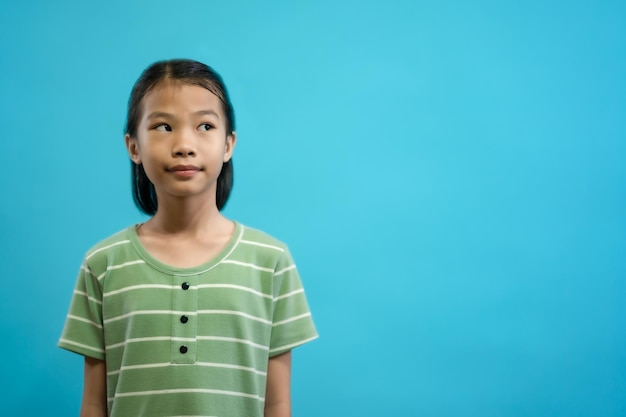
184, 151
183, 145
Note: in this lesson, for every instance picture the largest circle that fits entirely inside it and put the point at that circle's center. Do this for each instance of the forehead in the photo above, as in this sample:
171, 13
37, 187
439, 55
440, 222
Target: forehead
173, 95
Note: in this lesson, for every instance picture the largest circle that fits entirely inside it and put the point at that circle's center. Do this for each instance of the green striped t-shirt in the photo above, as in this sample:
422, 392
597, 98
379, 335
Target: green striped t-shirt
192, 341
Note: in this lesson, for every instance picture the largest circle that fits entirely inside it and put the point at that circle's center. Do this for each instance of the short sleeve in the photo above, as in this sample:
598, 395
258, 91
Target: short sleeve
83, 330
292, 323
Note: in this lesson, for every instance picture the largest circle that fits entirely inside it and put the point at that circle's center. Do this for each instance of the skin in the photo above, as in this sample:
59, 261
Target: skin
183, 125
94, 389
277, 396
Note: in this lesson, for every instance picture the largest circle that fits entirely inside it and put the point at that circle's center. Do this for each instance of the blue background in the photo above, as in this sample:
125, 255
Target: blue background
450, 177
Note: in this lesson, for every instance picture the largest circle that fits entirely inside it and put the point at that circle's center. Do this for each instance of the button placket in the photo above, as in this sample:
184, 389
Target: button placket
184, 329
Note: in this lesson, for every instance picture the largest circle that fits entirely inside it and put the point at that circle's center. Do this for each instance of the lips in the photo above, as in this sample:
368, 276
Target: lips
184, 168
184, 171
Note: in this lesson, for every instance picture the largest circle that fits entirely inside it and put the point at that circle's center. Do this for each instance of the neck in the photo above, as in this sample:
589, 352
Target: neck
185, 216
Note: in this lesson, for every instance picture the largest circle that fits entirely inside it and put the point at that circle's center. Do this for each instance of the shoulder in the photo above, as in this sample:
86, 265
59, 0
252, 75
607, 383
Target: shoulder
257, 245
258, 238
115, 246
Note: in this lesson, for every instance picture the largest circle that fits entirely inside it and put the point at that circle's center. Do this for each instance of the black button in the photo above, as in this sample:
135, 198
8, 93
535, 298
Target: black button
184, 319
185, 285
183, 349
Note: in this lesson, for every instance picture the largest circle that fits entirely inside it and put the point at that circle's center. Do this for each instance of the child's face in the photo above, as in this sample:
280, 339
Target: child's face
182, 140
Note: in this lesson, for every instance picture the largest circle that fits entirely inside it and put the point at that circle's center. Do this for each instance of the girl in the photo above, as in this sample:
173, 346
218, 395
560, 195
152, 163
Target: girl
189, 313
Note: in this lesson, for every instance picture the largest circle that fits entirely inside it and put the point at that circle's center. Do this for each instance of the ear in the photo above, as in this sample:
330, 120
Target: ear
133, 149
231, 140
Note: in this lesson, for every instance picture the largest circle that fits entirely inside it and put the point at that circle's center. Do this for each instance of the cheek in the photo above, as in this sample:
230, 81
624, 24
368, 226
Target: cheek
151, 148
211, 146
149, 159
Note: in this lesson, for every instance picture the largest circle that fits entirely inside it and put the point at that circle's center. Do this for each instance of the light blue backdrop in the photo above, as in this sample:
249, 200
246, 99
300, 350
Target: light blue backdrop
450, 176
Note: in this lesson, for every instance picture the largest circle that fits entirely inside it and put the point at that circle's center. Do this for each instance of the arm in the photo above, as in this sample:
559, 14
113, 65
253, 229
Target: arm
94, 389
278, 395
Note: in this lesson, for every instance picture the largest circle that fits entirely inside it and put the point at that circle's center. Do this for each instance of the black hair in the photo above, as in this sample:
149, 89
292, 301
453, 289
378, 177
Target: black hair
189, 72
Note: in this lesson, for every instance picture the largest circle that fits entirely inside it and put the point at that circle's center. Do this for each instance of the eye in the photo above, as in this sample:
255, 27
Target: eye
205, 127
163, 128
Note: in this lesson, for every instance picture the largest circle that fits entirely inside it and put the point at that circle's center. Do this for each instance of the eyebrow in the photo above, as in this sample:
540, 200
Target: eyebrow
158, 114
207, 113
